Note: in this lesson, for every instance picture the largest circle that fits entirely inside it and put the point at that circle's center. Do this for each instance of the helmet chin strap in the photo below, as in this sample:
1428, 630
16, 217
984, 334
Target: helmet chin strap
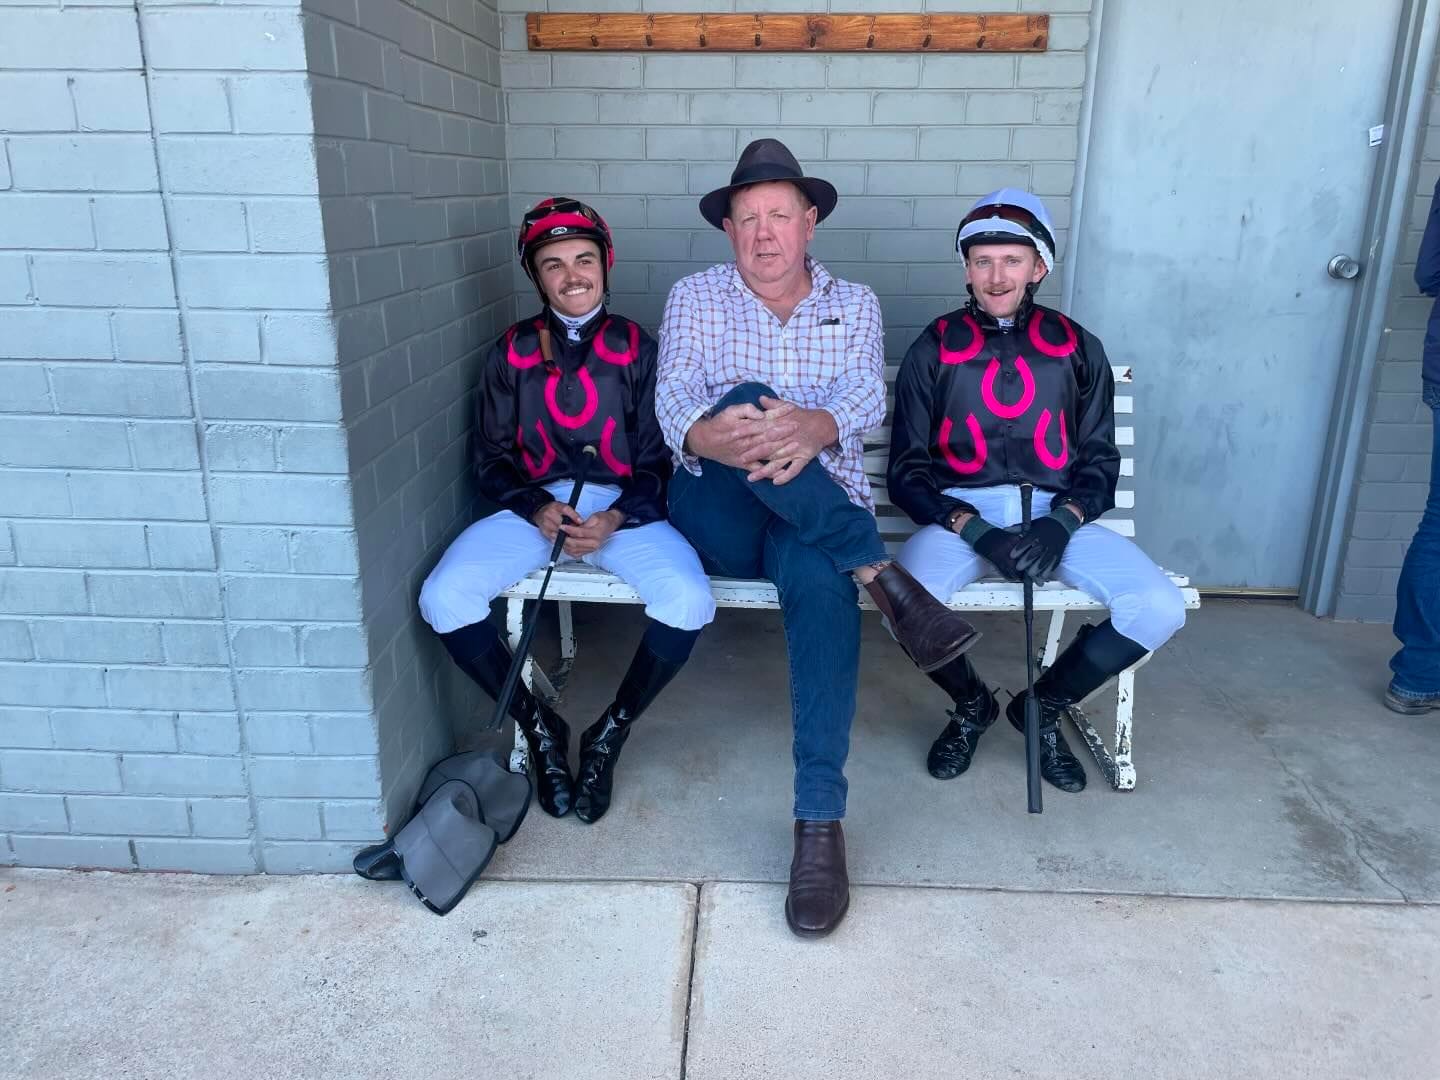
975, 308
545, 304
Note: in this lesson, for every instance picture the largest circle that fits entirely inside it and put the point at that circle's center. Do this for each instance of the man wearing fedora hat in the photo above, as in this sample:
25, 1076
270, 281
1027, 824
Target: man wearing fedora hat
770, 373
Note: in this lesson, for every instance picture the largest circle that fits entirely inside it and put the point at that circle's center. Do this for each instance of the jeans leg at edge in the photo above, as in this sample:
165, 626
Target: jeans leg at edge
1417, 596
822, 635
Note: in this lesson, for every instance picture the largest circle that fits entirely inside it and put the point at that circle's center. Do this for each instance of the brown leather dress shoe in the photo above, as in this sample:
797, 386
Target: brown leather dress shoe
926, 629
819, 886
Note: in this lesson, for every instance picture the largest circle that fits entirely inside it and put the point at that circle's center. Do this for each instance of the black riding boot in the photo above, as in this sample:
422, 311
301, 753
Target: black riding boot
1097, 653
975, 710
601, 742
487, 661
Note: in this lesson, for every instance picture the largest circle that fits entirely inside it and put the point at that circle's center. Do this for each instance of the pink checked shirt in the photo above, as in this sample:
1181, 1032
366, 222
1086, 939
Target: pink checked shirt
716, 334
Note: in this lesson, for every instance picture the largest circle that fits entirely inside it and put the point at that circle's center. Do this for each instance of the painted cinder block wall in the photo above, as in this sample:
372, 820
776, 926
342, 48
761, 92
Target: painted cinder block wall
174, 487
410, 148
227, 342
909, 141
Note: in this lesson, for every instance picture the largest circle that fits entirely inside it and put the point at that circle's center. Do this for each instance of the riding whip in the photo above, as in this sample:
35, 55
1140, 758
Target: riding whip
512, 677
1032, 706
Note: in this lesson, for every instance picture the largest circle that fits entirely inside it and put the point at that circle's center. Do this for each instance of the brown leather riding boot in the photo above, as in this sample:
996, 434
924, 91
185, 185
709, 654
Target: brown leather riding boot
926, 629
819, 886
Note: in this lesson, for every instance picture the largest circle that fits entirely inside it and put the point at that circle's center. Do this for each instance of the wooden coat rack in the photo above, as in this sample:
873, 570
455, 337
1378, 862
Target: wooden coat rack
819, 32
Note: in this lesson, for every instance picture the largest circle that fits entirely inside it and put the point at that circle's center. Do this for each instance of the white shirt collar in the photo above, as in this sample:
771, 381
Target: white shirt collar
573, 323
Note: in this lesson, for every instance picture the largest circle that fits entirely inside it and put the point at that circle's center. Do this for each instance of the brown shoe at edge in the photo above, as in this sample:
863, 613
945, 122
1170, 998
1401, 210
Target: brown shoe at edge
819, 892
929, 632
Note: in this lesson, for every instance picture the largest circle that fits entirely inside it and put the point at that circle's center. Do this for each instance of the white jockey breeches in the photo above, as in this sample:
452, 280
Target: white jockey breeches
498, 551
1144, 604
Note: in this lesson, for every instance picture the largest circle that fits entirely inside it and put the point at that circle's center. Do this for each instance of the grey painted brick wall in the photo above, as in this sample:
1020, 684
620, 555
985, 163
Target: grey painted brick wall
232, 103
183, 668
1395, 471
411, 149
249, 254
909, 141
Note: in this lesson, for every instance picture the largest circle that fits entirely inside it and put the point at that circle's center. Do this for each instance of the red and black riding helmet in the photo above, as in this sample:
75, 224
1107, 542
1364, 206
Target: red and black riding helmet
562, 218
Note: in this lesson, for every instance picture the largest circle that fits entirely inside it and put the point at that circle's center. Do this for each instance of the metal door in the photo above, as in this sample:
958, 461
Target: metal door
1229, 162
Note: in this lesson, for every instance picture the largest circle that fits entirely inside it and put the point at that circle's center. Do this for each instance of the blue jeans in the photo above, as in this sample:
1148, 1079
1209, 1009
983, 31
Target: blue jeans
1417, 610
805, 536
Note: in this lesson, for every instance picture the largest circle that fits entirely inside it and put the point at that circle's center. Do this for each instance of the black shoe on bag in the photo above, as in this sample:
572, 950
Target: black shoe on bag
548, 737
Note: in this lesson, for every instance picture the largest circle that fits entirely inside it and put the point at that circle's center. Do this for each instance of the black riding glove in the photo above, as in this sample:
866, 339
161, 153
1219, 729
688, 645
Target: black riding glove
994, 544
1040, 547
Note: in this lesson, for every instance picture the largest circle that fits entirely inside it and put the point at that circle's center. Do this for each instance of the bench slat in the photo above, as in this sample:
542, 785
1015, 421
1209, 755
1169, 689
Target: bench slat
587, 583
883, 505
876, 459
877, 440
1121, 372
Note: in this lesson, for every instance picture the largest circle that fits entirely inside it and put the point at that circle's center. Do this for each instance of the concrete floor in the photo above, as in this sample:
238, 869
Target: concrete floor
934, 984
179, 976
1267, 902
1267, 768
112, 976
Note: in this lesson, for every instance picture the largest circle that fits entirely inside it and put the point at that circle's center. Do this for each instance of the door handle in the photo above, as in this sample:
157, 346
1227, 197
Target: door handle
1343, 268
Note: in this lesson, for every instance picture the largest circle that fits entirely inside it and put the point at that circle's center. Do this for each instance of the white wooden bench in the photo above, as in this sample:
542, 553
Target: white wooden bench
580, 583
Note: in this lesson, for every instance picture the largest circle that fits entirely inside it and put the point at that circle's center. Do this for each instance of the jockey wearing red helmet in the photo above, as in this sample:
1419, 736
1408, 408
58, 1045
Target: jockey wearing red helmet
570, 378
562, 218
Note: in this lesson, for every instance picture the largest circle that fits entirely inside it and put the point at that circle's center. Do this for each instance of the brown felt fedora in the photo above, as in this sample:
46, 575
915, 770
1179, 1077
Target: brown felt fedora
765, 160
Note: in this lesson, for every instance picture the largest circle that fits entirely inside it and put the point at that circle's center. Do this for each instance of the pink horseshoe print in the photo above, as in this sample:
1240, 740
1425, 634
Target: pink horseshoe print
546, 460
972, 350
592, 401
965, 468
1054, 461
607, 450
518, 359
1059, 352
620, 359
1027, 395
